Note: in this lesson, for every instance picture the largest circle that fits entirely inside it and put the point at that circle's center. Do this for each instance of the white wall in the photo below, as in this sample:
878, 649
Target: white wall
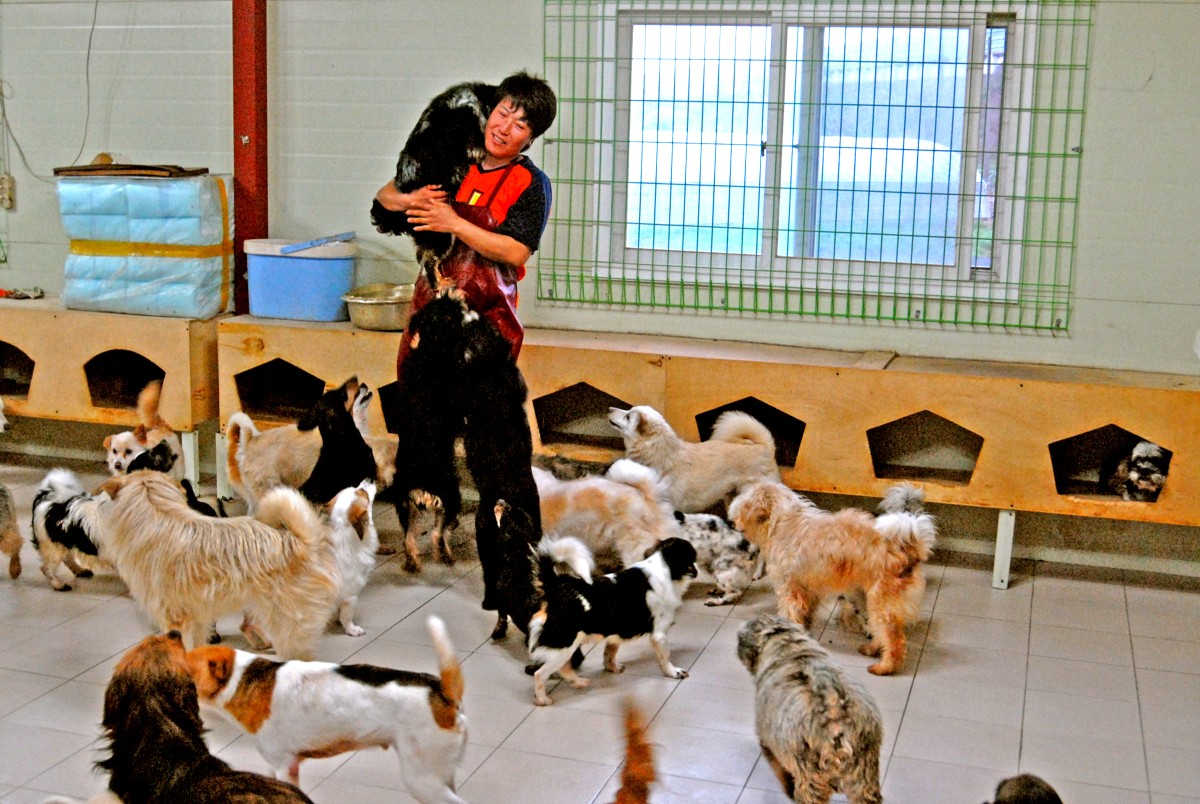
348, 77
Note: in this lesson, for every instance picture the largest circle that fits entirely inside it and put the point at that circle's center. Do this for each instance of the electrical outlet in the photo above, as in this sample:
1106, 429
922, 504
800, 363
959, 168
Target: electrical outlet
8, 192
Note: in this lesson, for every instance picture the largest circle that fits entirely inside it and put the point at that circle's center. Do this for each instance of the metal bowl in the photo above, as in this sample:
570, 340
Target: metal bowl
382, 306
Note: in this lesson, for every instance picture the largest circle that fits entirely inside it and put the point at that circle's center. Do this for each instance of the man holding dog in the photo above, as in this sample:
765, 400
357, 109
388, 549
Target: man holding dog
499, 212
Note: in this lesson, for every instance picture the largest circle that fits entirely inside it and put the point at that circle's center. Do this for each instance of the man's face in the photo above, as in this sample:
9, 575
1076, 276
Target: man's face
507, 132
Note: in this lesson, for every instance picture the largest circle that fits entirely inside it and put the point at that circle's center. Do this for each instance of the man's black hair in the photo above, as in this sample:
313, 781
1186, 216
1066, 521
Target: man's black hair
534, 97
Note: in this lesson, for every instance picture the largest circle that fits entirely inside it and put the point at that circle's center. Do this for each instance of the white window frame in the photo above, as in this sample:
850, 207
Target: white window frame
998, 283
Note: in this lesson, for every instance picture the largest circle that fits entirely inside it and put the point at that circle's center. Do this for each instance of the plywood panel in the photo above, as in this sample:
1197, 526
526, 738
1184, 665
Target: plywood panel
331, 351
61, 342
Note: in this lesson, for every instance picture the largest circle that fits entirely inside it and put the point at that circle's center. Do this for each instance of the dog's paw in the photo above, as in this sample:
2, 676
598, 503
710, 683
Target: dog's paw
542, 699
614, 667
385, 550
717, 598
870, 649
412, 564
677, 672
579, 682
354, 630
884, 668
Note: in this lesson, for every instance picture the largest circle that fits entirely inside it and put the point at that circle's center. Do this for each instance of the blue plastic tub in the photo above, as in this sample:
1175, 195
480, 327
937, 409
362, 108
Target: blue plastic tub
306, 285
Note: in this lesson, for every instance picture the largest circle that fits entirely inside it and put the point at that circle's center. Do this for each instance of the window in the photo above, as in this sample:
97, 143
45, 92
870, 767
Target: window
913, 161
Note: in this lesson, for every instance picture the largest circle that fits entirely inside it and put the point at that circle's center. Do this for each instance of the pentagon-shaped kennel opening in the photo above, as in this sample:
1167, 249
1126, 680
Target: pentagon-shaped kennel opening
924, 446
16, 371
787, 430
578, 414
1110, 461
277, 391
116, 377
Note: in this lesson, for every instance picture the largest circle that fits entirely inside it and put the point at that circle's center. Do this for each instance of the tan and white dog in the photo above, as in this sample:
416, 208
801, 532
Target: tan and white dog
699, 475
297, 710
355, 542
188, 570
619, 515
122, 448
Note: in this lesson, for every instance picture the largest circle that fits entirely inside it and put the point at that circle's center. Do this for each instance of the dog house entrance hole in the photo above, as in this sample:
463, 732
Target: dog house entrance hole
578, 414
1084, 463
116, 377
277, 391
16, 371
924, 446
787, 430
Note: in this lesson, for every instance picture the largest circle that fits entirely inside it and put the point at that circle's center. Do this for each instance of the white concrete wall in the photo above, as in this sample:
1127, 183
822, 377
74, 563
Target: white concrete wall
348, 77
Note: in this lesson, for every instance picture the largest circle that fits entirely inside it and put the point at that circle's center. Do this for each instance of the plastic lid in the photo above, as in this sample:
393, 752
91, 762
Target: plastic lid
271, 246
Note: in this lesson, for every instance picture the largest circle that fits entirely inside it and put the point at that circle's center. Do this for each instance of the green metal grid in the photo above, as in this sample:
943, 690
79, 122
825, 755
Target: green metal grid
729, 156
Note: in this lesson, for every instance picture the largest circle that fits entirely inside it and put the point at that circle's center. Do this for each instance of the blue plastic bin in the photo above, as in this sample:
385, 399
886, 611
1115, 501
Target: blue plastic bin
306, 285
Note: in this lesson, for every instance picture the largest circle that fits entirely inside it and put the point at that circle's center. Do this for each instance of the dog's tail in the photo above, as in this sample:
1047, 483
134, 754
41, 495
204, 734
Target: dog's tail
641, 477
147, 407
238, 433
901, 498
451, 675
287, 509
739, 427
914, 534
638, 773
570, 551
59, 485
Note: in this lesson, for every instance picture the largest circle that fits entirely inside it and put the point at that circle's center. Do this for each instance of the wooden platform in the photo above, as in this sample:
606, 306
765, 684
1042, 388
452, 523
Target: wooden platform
60, 343
1016, 410
331, 351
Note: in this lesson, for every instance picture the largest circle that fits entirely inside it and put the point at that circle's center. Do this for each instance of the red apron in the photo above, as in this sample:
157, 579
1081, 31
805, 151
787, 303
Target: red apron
485, 283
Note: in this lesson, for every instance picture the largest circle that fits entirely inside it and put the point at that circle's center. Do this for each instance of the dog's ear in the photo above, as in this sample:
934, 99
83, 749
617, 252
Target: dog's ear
349, 392
139, 433
108, 442
220, 667
358, 515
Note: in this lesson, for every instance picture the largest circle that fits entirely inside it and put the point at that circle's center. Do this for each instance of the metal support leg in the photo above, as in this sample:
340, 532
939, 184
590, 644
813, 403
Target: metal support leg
1004, 541
190, 443
224, 490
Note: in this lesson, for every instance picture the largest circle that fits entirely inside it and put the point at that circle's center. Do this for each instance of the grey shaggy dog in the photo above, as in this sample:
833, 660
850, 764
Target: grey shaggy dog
819, 730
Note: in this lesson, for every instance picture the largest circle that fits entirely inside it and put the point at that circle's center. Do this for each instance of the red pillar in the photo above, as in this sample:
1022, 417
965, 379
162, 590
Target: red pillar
249, 134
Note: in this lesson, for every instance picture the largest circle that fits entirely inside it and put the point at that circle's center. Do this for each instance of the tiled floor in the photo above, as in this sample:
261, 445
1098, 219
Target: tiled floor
1090, 679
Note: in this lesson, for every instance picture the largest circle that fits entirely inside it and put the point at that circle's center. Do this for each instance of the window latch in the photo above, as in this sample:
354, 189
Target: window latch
762, 149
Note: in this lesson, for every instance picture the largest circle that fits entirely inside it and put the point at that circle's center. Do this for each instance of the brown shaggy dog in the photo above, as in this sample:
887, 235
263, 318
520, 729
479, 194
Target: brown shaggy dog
812, 553
156, 737
188, 570
820, 731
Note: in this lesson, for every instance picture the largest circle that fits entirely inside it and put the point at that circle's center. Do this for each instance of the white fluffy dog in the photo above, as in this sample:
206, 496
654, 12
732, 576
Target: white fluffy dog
355, 542
188, 570
122, 448
699, 475
618, 516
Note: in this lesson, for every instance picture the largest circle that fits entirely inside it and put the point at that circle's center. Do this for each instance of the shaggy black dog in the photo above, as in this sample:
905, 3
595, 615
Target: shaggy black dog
345, 458
498, 441
446, 141
156, 737
429, 418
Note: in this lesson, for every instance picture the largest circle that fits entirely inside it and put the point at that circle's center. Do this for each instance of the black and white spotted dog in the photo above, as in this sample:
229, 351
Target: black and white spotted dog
723, 555
445, 142
641, 600
67, 529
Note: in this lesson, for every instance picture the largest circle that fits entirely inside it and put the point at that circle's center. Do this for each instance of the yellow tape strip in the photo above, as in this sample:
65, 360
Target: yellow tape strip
224, 249
118, 248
